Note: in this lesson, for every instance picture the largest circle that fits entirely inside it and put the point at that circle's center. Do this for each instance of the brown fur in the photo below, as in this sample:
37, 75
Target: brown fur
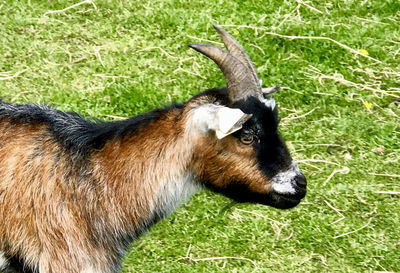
46, 203
226, 160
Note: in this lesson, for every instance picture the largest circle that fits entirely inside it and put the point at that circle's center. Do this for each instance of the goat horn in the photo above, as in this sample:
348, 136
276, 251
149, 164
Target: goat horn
236, 49
239, 80
240, 74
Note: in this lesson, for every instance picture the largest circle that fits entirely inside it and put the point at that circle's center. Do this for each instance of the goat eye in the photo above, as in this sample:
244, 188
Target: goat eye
247, 139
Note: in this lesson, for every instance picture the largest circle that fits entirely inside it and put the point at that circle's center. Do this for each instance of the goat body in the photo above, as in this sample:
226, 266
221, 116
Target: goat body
74, 193
71, 188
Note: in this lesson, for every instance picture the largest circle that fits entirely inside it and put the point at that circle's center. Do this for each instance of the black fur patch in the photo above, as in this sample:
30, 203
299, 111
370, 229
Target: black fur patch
272, 153
16, 264
72, 130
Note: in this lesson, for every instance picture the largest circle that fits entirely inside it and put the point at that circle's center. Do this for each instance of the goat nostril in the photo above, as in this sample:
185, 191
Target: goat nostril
301, 181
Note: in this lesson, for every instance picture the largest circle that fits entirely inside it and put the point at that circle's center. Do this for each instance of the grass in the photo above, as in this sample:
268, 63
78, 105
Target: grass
340, 116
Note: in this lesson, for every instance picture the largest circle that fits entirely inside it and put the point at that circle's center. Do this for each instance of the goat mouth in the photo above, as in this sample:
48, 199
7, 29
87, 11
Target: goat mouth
282, 201
240, 193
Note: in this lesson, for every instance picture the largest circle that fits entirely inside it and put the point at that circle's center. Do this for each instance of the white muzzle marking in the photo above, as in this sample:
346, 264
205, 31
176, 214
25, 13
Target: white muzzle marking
283, 182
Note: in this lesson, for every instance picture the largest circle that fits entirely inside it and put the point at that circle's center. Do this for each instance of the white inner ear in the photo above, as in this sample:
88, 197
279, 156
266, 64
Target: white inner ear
227, 121
223, 120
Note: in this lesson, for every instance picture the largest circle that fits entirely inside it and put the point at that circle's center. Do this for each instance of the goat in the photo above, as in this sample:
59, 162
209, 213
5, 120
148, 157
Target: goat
75, 193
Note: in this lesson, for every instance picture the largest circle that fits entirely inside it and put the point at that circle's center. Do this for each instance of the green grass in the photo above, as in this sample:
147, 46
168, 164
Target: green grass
340, 117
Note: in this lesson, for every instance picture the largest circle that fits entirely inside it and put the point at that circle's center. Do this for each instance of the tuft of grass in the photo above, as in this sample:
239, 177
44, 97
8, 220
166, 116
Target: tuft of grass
340, 115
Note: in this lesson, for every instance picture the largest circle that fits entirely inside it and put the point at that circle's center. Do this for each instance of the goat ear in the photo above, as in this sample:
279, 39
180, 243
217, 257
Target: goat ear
229, 120
220, 119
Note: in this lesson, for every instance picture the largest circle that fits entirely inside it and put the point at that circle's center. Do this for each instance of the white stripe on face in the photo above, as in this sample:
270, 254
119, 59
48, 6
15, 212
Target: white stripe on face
283, 182
270, 102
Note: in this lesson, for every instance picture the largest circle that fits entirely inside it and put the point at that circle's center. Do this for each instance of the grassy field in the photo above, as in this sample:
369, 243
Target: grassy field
340, 110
